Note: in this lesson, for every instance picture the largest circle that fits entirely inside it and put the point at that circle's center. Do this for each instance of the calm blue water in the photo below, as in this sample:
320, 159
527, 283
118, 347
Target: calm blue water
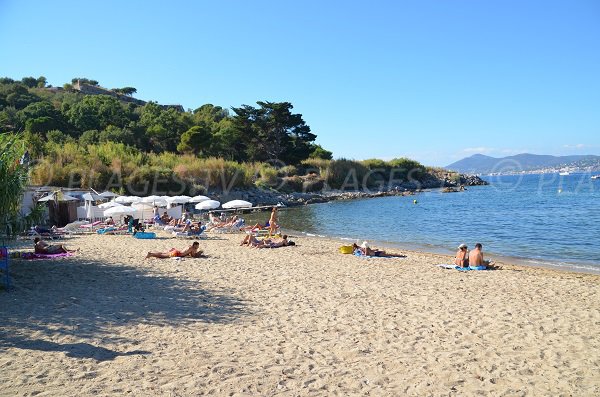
537, 219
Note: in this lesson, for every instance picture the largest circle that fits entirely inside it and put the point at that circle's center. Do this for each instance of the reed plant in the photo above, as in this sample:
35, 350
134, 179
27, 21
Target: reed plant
13, 180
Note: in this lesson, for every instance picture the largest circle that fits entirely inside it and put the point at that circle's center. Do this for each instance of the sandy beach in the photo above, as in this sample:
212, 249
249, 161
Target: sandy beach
293, 321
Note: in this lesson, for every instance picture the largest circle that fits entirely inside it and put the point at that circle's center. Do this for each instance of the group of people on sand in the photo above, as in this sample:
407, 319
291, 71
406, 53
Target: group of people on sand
473, 258
253, 242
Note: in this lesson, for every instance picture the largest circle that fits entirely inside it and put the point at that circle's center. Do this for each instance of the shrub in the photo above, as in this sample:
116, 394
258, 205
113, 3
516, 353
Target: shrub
346, 174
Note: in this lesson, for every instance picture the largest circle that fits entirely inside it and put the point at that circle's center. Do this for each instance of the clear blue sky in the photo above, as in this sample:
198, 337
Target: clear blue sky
431, 80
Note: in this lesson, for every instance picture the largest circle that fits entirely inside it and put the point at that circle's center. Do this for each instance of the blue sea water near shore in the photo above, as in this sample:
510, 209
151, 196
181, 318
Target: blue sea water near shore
544, 219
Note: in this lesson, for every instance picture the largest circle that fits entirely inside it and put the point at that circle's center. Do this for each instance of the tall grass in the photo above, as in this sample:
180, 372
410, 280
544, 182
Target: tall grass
13, 179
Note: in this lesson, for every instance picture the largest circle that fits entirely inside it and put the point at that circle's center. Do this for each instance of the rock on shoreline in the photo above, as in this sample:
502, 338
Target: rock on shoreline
265, 197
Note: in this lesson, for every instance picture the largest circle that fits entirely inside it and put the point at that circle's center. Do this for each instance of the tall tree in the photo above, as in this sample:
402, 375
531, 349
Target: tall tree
196, 140
96, 112
273, 132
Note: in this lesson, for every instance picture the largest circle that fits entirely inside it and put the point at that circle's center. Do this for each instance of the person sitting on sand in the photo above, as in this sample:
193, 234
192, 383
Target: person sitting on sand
462, 256
476, 257
165, 218
366, 250
193, 251
42, 247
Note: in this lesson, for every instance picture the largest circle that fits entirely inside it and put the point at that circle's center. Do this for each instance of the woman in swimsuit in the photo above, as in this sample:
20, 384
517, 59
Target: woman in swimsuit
192, 251
42, 247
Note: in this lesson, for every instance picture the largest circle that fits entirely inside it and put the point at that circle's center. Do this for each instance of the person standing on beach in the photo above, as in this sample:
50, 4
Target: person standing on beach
462, 256
273, 221
476, 256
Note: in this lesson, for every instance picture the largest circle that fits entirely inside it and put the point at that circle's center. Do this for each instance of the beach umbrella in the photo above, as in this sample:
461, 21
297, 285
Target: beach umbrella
109, 204
91, 197
208, 205
108, 194
237, 204
199, 199
178, 199
58, 197
144, 210
121, 200
154, 200
121, 210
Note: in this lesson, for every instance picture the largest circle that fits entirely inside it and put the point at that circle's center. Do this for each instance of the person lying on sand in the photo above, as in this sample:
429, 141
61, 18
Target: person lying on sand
42, 247
193, 251
250, 241
230, 222
365, 250
253, 242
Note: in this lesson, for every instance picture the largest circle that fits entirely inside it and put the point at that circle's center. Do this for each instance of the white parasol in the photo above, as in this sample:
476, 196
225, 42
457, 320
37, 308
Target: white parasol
108, 194
208, 205
237, 204
199, 199
121, 210
109, 204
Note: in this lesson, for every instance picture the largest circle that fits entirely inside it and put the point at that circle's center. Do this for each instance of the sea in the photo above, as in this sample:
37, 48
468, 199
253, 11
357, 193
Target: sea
538, 220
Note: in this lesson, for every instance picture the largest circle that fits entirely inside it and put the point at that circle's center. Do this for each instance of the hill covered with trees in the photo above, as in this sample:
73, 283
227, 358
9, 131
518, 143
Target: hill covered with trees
101, 139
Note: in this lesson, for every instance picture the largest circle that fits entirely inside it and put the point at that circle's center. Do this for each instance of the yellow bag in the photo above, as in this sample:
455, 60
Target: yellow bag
346, 249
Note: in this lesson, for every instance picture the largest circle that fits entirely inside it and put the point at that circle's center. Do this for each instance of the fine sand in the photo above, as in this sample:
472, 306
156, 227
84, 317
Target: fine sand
292, 321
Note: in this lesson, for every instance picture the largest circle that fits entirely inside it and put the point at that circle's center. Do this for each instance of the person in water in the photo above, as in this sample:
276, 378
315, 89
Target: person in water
462, 256
476, 257
192, 251
42, 247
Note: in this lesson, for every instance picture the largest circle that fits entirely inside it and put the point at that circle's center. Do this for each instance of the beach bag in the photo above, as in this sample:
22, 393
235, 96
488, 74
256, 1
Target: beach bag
346, 249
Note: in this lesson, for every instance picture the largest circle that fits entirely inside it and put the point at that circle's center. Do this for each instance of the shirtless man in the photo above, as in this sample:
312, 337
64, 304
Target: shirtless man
462, 256
476, 257
192, 251
42, 247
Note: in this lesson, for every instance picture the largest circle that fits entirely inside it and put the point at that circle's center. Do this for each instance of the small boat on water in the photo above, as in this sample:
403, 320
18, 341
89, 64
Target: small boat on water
564, 173
595, 176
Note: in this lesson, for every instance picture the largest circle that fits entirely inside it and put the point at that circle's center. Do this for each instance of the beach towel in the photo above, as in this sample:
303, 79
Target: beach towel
31, 255
361, 255
462, 269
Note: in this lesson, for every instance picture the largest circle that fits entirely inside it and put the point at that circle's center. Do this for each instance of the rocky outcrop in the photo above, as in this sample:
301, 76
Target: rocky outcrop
268, 197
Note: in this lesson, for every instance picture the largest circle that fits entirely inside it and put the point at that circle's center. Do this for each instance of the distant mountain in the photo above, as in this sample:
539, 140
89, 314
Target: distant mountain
481, 164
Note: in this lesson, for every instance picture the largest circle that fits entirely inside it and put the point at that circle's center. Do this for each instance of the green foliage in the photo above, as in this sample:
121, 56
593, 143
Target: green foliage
97, 112
13, 179
56, 137
116, 134
406, 169
287, 170
125, 90
273, 132
346, 175
196, 140
83, 80
319, 153
89, 137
